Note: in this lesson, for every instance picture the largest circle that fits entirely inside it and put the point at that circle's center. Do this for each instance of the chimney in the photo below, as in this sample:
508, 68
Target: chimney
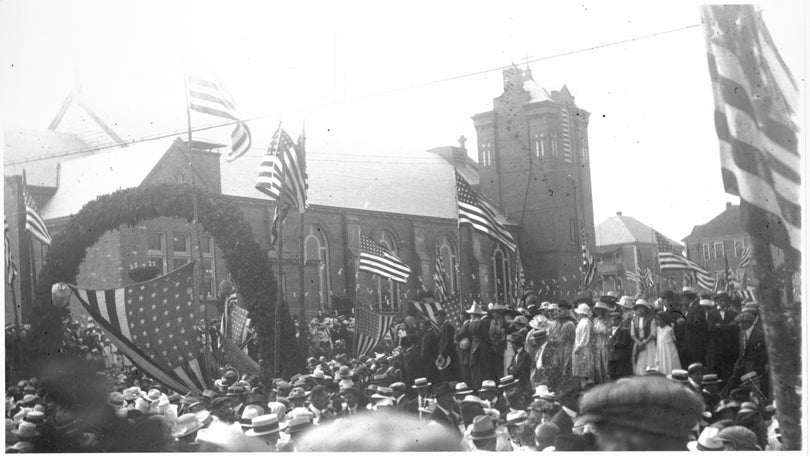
460, 153
619, 213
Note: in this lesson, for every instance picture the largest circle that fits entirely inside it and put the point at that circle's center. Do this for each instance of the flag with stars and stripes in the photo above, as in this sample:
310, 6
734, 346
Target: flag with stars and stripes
745, 258
11, 268
33, 222
588, 266
440, 276
669, 254
756, 104
284, 165
451, 305
153, 324
210, 98
235, 321
370, 329
376, 259
471, 210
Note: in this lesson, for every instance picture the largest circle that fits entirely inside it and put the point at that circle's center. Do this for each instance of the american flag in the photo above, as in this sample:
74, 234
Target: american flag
235, 321
153, 324
451, 305
284, 164
745, 258
11, 268
474, 212
211, 98
371, 328
566, 135
376, 259
277, 226
33, 222
588, 267
756, 100
669, 254
440, 276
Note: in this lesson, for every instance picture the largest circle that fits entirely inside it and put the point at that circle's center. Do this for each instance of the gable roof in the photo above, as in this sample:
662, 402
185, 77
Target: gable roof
726, 223
20, 144
621, 229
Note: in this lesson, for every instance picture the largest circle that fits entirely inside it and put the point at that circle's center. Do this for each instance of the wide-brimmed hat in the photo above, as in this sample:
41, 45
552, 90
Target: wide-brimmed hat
299, 423
626, 302
488, 385
250, 412
186, 424
744, 438
462, 389
473, 399
507, 382
266, 424
707, 440
642, 302
710, 379
153, 395
537, 322
543, 392
475, 309
421, 383
482, 428
601, 305
521, 320
344, 372
516, 417
679, 375
583, 309
553, 306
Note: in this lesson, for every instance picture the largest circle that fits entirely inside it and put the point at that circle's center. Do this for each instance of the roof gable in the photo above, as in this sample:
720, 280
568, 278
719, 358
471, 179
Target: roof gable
621, 229
726, 223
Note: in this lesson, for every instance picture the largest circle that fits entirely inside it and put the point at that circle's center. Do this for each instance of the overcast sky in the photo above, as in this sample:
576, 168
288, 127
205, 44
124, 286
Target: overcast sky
382, 79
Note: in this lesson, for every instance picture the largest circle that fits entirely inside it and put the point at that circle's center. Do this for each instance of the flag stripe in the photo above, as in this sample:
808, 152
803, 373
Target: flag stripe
121, 313
110, 307
376, 259
11, 268
209, 98
284, 165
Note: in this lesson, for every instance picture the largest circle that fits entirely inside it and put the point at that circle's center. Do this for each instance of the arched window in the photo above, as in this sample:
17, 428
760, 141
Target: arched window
500, 271
447, 250
387, 289
316, 252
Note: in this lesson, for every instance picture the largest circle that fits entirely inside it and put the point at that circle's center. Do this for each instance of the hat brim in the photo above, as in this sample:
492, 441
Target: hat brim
421, 386
252, 433
484, 437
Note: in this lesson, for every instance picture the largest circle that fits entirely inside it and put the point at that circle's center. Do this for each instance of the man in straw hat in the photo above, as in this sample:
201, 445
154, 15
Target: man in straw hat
640, 414
444, 412
477, 331
697, 331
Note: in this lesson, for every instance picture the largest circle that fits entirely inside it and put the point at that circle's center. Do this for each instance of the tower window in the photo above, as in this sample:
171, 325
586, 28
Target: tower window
486, 153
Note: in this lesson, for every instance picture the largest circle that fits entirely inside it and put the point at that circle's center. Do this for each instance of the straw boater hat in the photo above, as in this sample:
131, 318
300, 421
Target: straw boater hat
297, 424
462, 389
707, 441
710, 379
706, 303
642, 302
601, 305
186, 424
267, 424
679, 375
508, 381
553, 306
516, 418
488, 385
543, 393
471, 399
688, 291
421, 383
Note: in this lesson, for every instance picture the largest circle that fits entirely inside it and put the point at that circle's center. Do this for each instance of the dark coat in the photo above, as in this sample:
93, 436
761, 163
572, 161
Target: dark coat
724, 342
620, 353
429, 349
563, 422
521, 368
754, 356
412, 366
697, 335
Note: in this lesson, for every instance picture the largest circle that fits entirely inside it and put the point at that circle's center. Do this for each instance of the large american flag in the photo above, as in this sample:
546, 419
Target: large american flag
440, 276
33, 222
153, 324
451, 305
376, 259
474, 212
11, 268
371, 327
235, 321
284, 165
208, 97
588, 264
669, 255
756, 100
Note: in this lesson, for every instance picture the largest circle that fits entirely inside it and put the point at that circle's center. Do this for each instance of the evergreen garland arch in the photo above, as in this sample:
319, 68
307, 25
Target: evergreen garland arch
247, 262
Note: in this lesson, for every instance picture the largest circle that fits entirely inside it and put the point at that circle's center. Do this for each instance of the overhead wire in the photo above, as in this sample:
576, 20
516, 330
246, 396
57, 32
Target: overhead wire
173, 133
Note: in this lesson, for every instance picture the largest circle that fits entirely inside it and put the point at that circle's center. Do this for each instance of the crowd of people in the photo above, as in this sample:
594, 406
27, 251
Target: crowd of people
685, 371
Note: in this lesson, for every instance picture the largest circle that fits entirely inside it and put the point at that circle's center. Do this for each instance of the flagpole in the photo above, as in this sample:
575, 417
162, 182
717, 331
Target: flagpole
301, 284
195, 212
280, 297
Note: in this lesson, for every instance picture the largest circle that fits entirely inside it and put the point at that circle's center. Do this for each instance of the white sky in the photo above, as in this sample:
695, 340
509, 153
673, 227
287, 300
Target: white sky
338, 65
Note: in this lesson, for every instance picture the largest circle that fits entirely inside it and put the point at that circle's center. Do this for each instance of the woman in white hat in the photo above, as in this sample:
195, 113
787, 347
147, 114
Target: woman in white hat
643, 331
601, 332
583, 361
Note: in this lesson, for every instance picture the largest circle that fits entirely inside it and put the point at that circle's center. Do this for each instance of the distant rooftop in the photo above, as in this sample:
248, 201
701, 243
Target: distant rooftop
726, 223
621, 229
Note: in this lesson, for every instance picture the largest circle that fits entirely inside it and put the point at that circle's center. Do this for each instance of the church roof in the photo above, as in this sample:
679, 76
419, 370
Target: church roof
536, 91
621, 229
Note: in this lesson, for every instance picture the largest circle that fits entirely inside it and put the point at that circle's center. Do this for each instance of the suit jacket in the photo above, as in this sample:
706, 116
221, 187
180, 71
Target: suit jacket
753, 355
521, 368
723, 332
620, 345
451, 421
563, 422
447, 345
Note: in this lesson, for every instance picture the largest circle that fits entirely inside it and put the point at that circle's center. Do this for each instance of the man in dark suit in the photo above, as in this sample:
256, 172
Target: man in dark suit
444, 413
620, 348
753, 354
724, 346
569, 399
697, 331
412, 366
428, 350
447, 347
520, 367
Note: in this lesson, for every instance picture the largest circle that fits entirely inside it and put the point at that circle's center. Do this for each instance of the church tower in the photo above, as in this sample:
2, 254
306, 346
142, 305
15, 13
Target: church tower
533, 162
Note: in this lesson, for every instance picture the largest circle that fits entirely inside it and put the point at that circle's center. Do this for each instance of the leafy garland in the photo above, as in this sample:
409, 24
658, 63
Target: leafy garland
247, 262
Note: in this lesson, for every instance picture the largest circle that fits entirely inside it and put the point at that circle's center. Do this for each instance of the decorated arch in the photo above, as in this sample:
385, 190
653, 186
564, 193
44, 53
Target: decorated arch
247, 262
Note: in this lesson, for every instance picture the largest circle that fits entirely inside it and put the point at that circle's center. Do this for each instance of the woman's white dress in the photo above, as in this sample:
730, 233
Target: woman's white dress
667, 353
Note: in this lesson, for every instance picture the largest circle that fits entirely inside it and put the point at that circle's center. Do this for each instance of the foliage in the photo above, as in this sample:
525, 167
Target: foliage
247, 262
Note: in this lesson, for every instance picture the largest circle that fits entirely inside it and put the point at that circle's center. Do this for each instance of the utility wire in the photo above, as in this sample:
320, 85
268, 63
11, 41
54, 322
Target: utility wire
360, 97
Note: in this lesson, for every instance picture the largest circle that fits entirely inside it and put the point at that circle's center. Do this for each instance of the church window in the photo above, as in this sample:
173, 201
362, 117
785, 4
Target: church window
316, 253
447, 250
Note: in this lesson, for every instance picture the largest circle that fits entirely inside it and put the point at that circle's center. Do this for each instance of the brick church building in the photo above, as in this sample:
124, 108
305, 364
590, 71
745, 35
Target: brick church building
532, 169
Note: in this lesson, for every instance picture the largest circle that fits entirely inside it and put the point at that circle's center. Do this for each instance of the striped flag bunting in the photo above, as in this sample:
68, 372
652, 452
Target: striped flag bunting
440, 276
152, 323
371, 327
376, 259
566, 135
745, 258
284, 164
211, 98
588, 266
756, 99
235, 321
11, 268
669, 255
33, 222
451, 305
471, 210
